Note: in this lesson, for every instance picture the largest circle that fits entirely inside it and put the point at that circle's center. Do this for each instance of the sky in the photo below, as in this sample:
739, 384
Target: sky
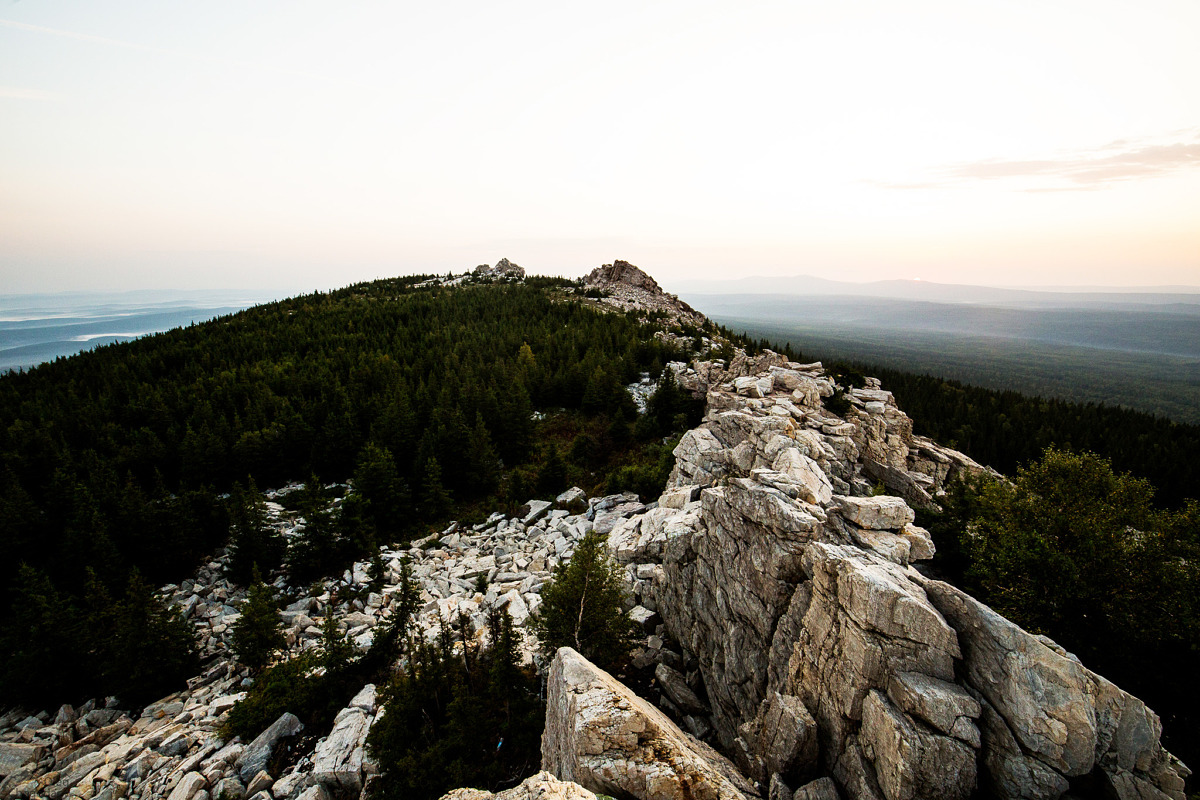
299, 145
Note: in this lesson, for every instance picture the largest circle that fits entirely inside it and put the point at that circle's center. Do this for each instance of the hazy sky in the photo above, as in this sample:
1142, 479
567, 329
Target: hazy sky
301, 145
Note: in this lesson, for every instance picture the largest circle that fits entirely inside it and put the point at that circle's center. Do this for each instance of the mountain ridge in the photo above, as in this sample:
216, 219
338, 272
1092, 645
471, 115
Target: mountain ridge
786, 591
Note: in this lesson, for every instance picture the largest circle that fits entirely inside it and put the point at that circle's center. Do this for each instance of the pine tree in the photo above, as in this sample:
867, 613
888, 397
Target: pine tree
152, 650
252, 542
435, 500
378, 481
318, 549
258, 634
583, 607
552, 477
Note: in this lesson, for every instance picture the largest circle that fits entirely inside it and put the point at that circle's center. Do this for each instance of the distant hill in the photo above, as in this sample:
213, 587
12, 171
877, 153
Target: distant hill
1187, 297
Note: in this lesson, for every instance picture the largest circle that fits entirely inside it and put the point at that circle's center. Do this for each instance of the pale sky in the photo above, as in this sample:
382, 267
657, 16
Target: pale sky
300, 145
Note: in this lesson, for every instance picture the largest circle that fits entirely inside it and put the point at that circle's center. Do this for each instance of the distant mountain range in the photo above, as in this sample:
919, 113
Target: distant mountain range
1052, 297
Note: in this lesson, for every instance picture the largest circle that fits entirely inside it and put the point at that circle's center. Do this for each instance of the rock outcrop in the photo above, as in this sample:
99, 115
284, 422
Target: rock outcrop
503, 269
821, 649
786, 622
628, 288
602, 736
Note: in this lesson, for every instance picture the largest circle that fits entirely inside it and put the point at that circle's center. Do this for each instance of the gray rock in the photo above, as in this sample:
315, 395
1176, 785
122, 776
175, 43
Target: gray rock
542, 786
675, 686
820, 789
256, 755
315, 792
573, 500
338, 760
1063, 719
229, 789
537, 510
876, 513
14, 755
260, 783
188, 787
607, 739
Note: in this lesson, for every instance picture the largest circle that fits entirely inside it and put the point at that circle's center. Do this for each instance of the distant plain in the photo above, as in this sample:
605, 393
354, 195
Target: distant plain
1137, 350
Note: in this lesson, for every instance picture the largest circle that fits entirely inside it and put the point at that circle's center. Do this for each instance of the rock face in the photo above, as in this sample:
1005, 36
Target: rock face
604, 737
820, 649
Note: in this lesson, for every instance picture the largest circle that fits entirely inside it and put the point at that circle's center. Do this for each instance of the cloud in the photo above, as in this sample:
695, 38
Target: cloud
1082, 170
15, 93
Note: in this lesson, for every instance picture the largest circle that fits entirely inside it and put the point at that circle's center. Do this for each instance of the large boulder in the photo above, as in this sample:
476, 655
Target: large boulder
256, 755
542, 786
1064, 720
602, 736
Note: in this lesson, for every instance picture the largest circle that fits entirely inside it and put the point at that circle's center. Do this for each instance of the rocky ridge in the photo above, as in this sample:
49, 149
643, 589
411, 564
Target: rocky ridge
787, 624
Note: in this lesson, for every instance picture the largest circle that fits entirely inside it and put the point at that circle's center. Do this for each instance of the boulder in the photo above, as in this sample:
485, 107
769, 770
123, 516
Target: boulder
338, 759
602, 736
542, 786
675, 686
256, 755
780, 740
573, 500
876, 513
188, 787
15, 755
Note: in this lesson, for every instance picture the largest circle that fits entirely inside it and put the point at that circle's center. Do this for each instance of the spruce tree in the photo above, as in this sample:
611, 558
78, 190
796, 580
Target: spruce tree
435, 500
152, 650
258, 634
378, 481
252, 541
583, 607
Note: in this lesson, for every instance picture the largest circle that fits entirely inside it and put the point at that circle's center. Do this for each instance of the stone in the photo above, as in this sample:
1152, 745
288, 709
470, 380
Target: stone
675, 686
573, 500
188, 787
338, 760
820, 789
602, 736
229, 788
315, 792
256, 755
806, 473
542, 786
535, 510
939, 703
782, 739
259, 783
14, 755
876, 513
909, 762
1047, 717
644, 618
365, 699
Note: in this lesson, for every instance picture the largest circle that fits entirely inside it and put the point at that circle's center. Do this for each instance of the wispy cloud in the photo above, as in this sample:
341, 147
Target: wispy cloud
16, 93
1081, 170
